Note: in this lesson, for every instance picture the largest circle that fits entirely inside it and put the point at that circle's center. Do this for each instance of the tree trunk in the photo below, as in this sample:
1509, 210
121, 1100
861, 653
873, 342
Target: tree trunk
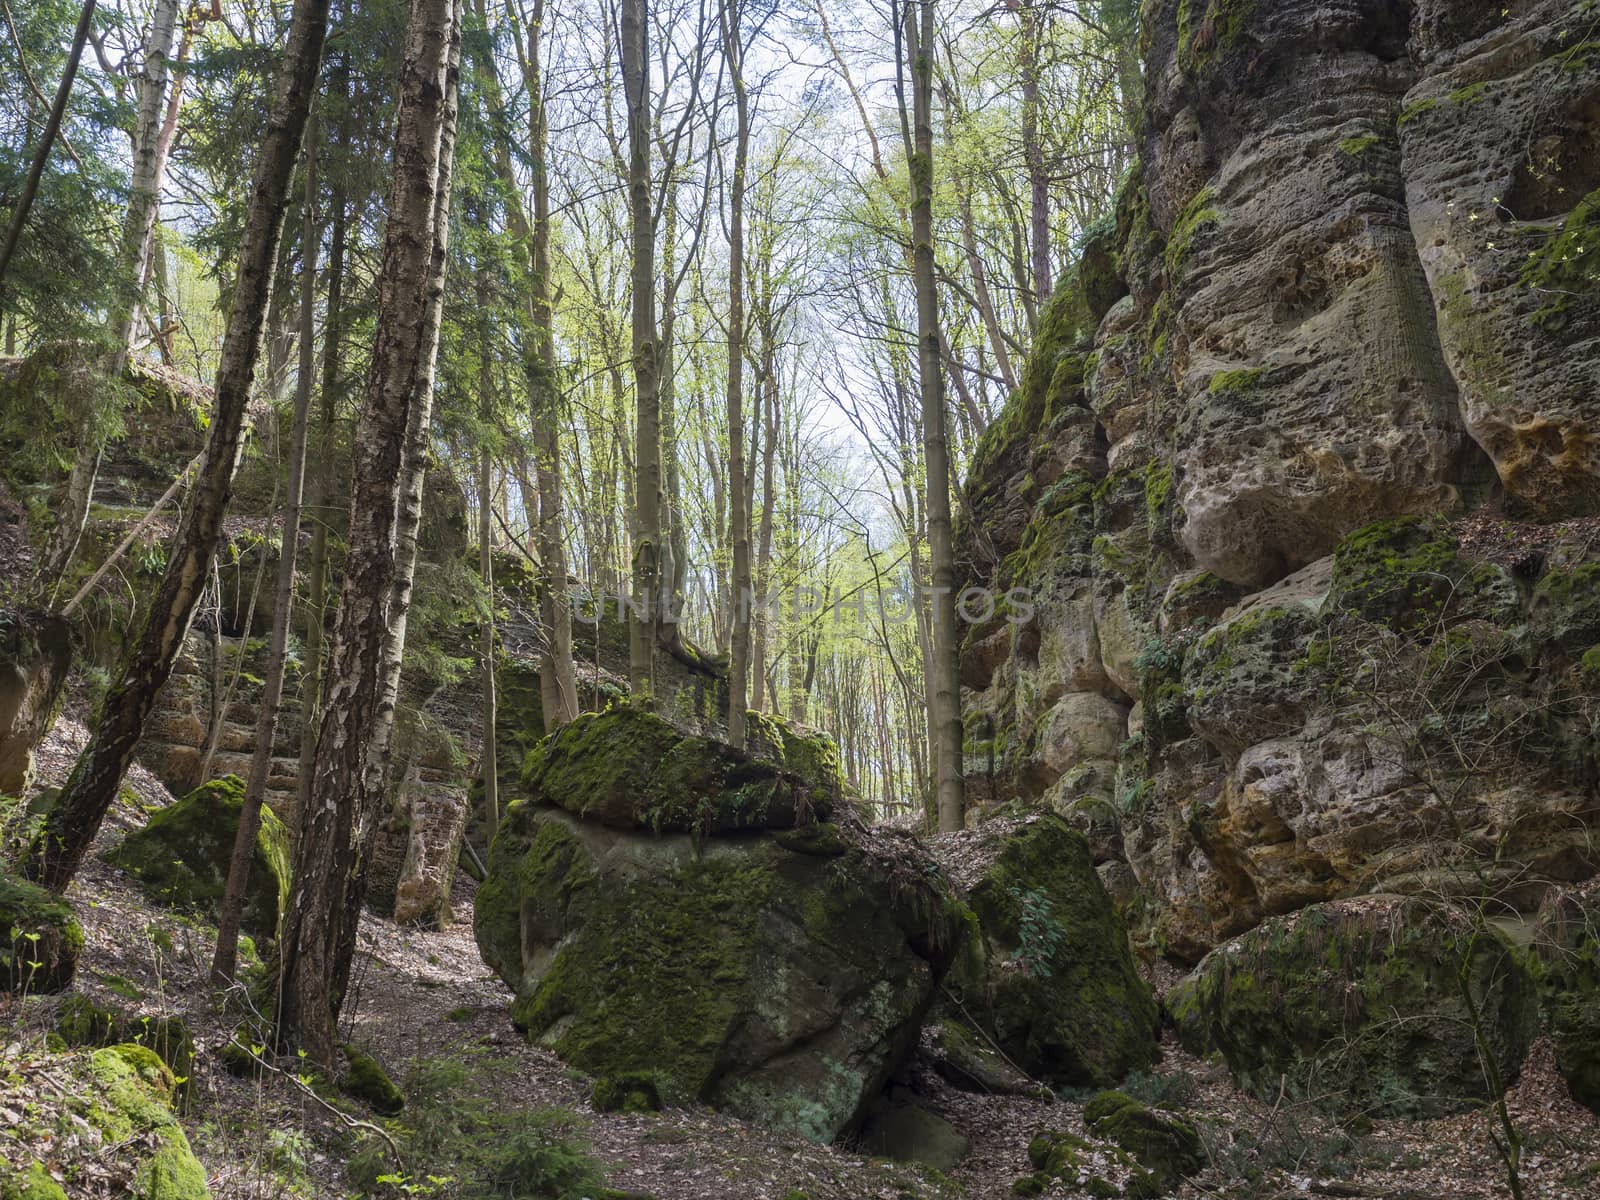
769, 446
557, 679
144, 194
225, 959
946, 679
738, 492
322, 489
488, 766
647, 397
358, 715
55, 855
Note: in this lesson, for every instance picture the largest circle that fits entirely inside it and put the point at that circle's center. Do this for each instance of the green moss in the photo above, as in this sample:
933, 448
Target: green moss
1235, 383
31, 1183
40, 938
366, 1080
1406, 573
1589, 664
1166, 1145
1470, 94
1355, 147
1198, 216
1209, 31
1411, 112
626, 1092
1051, 382
181, 856
630, 769
132, 1092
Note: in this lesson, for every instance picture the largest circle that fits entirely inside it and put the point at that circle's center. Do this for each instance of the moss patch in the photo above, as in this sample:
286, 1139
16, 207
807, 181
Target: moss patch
365, 1079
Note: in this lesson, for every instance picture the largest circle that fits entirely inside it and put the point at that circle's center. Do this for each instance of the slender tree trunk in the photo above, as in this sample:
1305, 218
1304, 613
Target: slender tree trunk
635, 32
225, 958
55, 855
557, 679
488, 765
47, 139
769, 446
951, 800
363, 672
1033, 157
738, 509
144, 195
322, 491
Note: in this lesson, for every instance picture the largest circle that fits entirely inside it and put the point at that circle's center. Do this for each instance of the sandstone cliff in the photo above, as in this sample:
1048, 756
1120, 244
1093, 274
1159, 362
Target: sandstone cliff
1302, 471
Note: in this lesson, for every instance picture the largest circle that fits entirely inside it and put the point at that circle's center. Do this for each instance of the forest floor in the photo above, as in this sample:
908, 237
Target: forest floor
423, 1001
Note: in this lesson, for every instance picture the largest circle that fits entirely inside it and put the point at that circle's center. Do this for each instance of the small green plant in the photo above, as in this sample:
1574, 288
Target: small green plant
1038, 934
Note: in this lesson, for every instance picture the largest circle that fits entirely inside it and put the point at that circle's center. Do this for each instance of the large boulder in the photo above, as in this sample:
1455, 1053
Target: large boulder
1372, 1006
665, 905
35, 655
181, 856
1050, 979
1567, 943
39, 939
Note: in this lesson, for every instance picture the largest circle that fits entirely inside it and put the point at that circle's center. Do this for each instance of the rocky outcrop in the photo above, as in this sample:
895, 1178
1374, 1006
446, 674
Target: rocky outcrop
1290, 616
180, 857
40, 939
1049, 977
1381, 1006
35, 655
661, 904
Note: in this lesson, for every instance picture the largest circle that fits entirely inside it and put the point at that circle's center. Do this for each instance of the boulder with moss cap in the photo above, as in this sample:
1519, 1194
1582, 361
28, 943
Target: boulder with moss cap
181, 857
668, 909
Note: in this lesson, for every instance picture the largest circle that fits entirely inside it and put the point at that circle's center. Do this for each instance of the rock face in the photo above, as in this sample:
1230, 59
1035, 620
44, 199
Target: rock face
181, 856
39, 939
1363, 1006
663, 905
1050, 978
1292, 533
35, 655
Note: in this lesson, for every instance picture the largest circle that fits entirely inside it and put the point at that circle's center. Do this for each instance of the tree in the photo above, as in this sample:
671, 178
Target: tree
339, 818
244, 844
738, 509
646, 516
945, 659
144, 195
54, 856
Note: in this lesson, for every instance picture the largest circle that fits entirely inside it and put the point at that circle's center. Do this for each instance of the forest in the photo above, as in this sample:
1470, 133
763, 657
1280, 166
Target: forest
799, 599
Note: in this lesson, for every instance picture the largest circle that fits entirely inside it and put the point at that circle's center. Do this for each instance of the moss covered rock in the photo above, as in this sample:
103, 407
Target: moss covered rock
1567, 943
181, 856
82, 1022
1365, 1006
365, 1079
777, 974
1406, 573
1052, 979
133, 1092
39, 939
629, 769
1164, 1144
